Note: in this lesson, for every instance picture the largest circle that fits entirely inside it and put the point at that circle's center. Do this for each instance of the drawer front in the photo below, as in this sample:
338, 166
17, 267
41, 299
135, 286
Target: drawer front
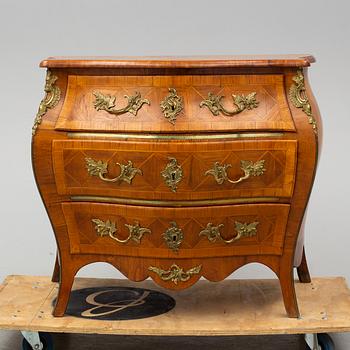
176, 232
175, 171
175, 103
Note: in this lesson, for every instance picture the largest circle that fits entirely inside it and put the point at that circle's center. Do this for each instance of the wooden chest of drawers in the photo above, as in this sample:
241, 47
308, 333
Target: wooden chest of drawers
177, 168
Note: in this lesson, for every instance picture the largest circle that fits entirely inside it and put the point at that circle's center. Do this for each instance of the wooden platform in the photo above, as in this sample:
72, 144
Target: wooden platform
231, 307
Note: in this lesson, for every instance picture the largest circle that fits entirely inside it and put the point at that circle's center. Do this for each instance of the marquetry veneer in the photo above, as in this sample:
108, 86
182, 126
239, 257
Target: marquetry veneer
177, 168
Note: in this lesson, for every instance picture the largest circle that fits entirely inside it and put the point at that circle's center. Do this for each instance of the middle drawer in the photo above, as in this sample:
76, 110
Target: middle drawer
173, 170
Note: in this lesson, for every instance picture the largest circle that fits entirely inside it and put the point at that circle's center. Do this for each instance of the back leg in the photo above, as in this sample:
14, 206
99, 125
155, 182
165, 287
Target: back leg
56, 270
303, 270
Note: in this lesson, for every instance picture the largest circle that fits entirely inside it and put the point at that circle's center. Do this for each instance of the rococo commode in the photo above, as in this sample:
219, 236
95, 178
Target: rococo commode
177, 167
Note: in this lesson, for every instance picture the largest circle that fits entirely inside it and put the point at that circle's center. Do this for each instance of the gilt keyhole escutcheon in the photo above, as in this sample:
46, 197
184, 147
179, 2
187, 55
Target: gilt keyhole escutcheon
172, 106
173, 237
172, 174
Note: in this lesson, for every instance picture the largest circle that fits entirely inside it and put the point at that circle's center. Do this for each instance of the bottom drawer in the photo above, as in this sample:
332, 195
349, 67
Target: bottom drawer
195, 232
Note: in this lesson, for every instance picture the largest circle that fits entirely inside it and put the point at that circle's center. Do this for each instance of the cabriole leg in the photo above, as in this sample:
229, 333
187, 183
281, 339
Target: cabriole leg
66, 283
56, 270
286, 278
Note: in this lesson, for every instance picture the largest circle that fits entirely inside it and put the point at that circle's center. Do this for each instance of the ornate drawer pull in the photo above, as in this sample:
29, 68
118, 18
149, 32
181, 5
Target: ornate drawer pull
107, 103
100, 168
243, 230
175, 273
213, 102
249, 168
108, 228
172, 106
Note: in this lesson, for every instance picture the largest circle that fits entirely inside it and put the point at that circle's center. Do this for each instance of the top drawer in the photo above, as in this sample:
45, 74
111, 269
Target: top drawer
175, 103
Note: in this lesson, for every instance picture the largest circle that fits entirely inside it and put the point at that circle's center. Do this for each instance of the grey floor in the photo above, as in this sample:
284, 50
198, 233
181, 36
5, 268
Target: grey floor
11, 340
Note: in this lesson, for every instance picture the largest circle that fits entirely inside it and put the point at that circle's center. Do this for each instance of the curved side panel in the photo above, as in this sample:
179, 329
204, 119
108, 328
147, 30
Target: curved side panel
309, 129
41, 153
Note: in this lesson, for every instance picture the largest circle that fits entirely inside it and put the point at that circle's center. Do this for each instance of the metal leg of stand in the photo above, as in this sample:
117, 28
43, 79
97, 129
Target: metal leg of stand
312, 341
33, 339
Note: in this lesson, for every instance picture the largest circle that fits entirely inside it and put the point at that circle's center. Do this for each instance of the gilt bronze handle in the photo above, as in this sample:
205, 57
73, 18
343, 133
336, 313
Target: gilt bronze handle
107, 103
108, 228
100, 168
249, 168
242, 229
176, 273
241, 102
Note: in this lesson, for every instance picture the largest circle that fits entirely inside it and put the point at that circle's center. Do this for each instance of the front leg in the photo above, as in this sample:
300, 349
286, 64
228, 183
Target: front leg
286, 277
67, 274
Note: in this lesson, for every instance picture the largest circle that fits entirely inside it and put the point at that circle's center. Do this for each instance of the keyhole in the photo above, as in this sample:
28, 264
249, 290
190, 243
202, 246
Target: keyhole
174, 238
173, 176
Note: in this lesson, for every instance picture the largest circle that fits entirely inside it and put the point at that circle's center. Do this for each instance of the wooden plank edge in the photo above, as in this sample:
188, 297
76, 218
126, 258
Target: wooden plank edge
179, 62
6, 281
153, 332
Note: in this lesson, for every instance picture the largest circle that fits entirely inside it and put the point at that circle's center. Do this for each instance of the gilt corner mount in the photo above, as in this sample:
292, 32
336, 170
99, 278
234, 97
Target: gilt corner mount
298, 97
50, 100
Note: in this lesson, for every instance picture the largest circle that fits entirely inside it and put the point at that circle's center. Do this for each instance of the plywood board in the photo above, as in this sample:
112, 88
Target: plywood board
231, 307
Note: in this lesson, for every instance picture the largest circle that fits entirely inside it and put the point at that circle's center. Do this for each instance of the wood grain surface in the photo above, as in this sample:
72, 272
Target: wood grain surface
272, 112
232, 307
291, 159
271, 218
179, 62
195, 159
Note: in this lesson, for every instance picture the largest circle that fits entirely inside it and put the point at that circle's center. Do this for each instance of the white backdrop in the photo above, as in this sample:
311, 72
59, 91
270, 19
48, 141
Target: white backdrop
33, 30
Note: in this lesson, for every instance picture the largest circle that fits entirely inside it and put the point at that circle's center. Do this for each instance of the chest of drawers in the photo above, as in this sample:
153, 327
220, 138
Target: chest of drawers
177, 168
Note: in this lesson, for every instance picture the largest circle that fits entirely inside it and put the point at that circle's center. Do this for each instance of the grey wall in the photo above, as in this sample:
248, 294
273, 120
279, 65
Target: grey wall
33, 30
